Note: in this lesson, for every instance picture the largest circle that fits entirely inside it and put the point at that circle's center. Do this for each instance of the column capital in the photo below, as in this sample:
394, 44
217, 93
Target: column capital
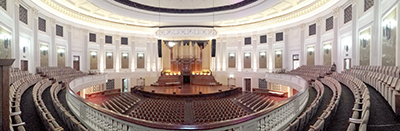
85, 31
335, 12
69, 27
53, 22
303, 26
286, 30
35, 13
270, 34
17, 2
318, 21
117, 37
101, 34
353, 2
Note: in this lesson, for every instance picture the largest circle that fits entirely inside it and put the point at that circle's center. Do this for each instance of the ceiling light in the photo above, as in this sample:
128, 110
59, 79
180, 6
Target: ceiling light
43, 48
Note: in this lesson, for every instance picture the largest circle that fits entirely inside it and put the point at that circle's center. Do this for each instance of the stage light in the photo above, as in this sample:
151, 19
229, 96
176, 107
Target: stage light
171, 44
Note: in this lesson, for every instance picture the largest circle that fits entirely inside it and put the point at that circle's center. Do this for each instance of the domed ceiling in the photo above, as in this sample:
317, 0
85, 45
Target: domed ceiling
144, 15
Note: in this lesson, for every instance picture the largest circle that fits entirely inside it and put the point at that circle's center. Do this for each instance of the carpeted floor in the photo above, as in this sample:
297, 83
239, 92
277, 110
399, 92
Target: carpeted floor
381, 118
339, 121
49, 104
29, 114
325, 102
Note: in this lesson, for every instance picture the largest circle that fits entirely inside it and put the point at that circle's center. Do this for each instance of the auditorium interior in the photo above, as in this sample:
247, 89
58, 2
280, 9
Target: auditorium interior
218, 65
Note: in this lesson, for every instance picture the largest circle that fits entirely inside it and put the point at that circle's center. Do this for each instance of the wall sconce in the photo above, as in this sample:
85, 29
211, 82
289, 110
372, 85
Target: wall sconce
327, 48
364, 39
387, 26
310, 51
346, 48
231, 55
44, 49
109, 54
24, 49
278, 53
61, 52
231, 76
124, 55
262, 54
246, 55
171, 44
140, 55
93, 54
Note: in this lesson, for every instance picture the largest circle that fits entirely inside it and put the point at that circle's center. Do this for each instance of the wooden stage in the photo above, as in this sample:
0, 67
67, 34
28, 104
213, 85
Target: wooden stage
186, 89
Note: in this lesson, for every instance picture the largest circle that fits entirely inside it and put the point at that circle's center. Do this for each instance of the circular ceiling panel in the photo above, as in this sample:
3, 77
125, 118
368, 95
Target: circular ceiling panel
186, 6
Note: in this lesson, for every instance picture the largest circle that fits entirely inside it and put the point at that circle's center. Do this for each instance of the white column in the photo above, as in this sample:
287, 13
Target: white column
52, 47
68, 53
286, 54
376, 44
239, 54
318, 46
254, 53
335, 44
154, 56
302, 55
354, 47
117, 61
34, 60
147, 55
132, 54
101, 54
85, 57
271, 52
15, 39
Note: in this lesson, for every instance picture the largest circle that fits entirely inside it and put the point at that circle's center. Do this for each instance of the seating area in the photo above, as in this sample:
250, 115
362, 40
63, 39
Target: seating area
16, 74
120, 103
385, 79
301, 122
59, 74
66, 116
164, 80
17, 88
325, 118
206, 111
45, 115
360, 116
310, 72
255, 101
160, 110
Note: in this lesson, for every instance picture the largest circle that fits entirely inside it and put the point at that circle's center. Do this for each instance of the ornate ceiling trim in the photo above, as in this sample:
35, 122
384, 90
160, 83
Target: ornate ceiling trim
184, 11
168, 33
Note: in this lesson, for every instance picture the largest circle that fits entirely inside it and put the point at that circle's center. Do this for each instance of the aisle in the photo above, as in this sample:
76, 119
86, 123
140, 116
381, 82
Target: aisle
29, 114
49, 104
324, 104
343, 112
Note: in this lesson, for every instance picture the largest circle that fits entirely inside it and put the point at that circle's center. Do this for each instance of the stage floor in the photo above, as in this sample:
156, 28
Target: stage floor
185, 89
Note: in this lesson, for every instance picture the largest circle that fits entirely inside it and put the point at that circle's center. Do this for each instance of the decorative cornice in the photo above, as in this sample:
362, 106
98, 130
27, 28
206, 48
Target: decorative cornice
35, 13
302, 26
286, 30
186, 32
69, 28
85, 31
335, 12
318, 21
53, 22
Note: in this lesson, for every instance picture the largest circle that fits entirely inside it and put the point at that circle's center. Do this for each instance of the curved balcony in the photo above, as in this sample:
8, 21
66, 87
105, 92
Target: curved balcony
274, 118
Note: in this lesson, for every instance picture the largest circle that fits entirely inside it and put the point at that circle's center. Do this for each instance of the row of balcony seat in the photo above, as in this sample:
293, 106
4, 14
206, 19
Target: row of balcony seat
255, 101
59, 73
309, 72
66, 116
325, 118
47, 119
18, 88
160, 110
301, 122
120, 103
385, 79
16, 74
206, 111
360, 116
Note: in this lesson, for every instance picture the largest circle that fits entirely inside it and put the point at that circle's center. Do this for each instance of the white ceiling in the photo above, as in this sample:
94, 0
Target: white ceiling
187, 4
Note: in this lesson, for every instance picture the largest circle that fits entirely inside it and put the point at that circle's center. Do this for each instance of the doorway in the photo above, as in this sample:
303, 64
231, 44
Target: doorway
247, 84
76, 63
296, 61
347, 63
125, 85
24, 65
186, 79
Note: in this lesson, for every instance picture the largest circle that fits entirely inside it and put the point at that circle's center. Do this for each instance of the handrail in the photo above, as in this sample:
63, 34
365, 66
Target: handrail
279, 115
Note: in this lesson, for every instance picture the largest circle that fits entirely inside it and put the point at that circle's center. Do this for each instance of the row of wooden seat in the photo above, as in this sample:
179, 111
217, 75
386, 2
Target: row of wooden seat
160, 110
388, 70
120, 103
360, 116
47, 119
16, 74
67, 117
16, 90
206, 111
311, 72
301, 122
385, 81
325, 118
59, 73
255, 101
